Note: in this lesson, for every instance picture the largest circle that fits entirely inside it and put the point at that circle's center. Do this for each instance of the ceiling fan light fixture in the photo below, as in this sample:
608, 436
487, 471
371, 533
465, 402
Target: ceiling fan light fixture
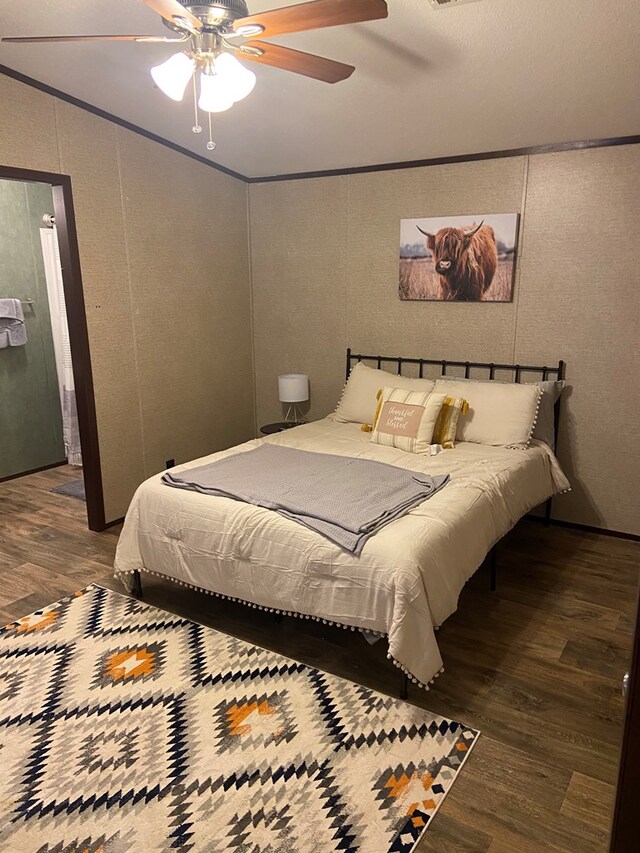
210, 28
173, 75
238, 80
215, 95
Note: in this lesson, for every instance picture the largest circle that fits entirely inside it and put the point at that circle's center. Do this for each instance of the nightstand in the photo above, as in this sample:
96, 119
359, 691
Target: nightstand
271, 429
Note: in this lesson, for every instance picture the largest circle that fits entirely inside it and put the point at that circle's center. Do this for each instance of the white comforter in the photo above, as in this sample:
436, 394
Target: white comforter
408, 578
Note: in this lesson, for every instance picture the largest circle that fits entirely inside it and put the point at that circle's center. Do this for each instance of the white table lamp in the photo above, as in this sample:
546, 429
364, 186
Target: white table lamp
293, 388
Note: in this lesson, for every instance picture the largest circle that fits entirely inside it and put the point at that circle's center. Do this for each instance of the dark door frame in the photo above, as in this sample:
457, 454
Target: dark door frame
78, 334
625, 832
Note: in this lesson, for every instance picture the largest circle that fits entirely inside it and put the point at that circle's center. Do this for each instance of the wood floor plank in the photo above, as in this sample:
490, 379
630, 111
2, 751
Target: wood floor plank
535, 665
6, 617
589, 801
591, 702
601, 655
519, 813
27, 579
449, 835
626, 624
510, 635
29, 604
560, 746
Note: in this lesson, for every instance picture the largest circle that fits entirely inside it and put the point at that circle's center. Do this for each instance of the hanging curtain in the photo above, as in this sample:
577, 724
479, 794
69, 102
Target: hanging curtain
60, 329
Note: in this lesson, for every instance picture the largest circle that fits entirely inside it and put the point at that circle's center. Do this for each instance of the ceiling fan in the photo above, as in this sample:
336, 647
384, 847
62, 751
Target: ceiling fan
218, 32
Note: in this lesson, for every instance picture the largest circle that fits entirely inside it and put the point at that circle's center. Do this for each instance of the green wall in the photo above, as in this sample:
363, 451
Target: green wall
30, 416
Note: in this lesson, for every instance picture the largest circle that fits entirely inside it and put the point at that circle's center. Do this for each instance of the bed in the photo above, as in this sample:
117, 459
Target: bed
409, 576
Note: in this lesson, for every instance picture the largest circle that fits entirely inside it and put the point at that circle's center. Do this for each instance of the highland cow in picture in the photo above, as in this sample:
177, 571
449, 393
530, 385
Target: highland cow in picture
458, 259
466, 261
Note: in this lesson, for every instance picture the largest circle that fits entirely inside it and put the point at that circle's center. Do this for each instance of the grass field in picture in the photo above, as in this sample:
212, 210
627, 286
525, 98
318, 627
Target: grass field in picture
419, 280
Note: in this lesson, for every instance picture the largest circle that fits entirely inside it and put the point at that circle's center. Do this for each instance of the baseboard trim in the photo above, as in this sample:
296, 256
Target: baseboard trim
586, 528
113, 523
33, 471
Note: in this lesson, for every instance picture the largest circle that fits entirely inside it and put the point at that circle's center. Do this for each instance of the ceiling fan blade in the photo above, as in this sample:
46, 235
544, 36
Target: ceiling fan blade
39, 39
313, 16
327, 70
173, 12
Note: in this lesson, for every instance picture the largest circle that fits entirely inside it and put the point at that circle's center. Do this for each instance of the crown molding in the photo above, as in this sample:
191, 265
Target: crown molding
457, 158
83, 105
552, 148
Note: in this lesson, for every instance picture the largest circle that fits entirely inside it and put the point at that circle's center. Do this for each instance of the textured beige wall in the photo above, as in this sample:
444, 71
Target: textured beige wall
163, 245
580, 300
325, 273
163, 249
300, 297
324, 257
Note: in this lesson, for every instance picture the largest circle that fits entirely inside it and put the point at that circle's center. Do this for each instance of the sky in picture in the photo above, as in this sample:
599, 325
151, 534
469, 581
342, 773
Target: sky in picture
504, 225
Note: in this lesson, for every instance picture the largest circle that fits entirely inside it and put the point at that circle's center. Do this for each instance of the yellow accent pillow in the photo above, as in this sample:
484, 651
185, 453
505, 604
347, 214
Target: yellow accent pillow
447, 423
368, 427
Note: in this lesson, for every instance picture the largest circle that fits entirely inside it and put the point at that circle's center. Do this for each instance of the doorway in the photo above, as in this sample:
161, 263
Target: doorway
65, 392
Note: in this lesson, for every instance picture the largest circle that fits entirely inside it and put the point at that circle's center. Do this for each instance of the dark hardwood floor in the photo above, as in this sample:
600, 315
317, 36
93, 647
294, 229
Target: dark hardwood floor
537, 665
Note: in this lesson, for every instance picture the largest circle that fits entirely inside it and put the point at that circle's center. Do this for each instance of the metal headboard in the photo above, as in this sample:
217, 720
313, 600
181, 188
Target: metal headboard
516, 370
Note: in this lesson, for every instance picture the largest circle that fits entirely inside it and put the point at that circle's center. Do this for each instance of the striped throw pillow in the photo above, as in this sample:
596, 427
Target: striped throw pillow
407, 419
447, 423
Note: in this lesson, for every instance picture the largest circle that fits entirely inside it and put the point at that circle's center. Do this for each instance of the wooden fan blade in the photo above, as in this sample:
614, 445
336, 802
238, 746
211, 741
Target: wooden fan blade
308, 64
38, 39
173, 12
313, 16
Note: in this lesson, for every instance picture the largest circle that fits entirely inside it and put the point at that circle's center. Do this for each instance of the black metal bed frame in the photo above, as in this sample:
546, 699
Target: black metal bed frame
444, 364
515, 370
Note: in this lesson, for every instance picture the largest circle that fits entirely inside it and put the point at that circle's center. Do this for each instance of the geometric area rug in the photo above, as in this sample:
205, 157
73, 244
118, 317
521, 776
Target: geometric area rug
126, 728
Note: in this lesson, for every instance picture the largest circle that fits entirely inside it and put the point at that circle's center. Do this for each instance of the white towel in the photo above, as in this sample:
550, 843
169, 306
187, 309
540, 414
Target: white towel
13, 332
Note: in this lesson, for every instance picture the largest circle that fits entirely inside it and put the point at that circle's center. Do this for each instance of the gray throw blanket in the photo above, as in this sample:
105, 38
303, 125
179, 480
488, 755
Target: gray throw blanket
345, 499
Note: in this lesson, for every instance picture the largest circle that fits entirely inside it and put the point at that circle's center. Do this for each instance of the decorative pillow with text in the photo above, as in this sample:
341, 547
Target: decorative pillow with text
406, 419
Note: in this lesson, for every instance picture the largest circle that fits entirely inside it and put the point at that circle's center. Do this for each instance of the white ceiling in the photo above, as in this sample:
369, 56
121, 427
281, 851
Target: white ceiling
483, 76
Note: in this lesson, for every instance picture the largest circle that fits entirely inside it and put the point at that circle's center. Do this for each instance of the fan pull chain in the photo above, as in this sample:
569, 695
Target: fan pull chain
196, 127
210, 144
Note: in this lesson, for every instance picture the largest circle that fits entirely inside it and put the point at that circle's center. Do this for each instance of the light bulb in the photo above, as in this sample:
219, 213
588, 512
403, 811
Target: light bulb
238, 79
173, 75
215, 96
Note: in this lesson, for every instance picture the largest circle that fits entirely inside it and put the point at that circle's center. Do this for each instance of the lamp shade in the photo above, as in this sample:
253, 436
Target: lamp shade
238, 79
293, 388
173, 75
215, 96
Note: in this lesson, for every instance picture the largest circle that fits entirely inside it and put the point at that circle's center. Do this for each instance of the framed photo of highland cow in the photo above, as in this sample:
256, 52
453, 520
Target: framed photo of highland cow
459, 258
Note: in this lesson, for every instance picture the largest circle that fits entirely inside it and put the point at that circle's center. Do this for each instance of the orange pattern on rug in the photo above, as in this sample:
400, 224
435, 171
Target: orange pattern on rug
130, 663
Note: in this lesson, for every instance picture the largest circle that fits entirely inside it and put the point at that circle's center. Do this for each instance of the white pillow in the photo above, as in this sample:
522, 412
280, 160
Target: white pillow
358, 402
545, 425
407, 419
500, 413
